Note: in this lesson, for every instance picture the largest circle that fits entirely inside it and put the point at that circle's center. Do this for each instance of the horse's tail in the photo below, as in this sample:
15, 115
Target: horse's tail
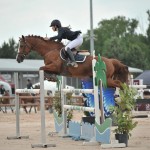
121, 71
118, 64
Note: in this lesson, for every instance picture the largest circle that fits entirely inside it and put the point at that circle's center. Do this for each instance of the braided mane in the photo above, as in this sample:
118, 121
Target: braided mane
36, 36
39, 37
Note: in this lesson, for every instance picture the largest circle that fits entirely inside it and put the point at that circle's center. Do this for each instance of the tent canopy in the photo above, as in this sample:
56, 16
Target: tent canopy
145, 76
135, 70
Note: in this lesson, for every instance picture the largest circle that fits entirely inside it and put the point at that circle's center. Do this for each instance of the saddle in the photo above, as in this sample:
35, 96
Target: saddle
79, 55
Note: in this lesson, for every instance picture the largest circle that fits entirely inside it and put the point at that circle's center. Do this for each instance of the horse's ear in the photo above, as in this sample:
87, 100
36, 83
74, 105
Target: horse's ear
22, 37
127, 68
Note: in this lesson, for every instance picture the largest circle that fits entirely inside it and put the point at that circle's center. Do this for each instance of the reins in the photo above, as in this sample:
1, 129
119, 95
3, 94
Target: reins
26, 45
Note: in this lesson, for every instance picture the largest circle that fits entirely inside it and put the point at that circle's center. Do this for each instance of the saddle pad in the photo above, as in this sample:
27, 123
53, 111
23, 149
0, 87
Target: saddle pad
79, 58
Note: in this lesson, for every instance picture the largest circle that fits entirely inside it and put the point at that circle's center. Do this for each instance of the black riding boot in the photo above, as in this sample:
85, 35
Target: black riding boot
72, 62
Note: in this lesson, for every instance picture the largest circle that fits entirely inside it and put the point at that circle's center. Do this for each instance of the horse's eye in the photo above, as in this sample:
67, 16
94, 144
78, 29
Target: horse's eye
21, 46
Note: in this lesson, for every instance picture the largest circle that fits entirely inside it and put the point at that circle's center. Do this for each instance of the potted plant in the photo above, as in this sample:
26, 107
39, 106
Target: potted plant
57, 105
122, 113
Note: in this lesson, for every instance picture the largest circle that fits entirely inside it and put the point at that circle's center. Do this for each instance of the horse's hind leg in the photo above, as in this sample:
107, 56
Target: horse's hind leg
11, 109
25, 109
35, 109
30, 109
5, 109
2, 110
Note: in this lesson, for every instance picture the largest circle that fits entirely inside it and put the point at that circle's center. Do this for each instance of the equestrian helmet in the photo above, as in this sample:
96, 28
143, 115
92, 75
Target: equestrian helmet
56, 23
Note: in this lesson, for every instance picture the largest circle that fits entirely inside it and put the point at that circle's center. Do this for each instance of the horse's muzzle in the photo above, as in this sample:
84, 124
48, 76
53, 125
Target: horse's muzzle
19, 58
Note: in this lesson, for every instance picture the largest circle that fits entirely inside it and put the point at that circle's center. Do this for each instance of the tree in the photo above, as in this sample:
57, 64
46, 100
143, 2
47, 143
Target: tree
9, 50
148, 30
136, 57
117, 38
114, 48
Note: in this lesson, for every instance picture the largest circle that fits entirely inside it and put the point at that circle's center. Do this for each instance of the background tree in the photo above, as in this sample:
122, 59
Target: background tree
8, 50
117, 38
148, 30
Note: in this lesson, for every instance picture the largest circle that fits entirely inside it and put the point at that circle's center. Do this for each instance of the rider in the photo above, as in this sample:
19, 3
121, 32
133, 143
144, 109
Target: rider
74, 37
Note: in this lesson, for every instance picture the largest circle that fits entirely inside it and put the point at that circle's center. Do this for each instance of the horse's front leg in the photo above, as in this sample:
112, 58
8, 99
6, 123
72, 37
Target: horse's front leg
51, 68
30, 109
50, 72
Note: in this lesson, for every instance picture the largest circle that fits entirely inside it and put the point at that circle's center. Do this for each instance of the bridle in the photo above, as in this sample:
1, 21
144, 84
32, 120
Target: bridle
24, 44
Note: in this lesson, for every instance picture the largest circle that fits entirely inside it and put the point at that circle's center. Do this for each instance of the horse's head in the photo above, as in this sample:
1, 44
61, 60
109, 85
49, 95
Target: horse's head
23, 50
35, 43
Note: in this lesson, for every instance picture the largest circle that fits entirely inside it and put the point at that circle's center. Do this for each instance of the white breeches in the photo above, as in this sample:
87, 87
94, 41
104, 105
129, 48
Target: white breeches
75, 43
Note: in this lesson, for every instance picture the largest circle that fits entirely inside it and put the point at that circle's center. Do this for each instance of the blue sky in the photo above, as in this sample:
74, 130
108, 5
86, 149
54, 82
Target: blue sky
24, 17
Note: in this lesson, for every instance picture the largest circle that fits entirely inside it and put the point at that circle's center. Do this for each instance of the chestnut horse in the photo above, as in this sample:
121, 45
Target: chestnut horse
32, 100
116, 73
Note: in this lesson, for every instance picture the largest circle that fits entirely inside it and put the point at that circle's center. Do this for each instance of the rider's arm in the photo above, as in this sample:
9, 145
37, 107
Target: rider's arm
59, 36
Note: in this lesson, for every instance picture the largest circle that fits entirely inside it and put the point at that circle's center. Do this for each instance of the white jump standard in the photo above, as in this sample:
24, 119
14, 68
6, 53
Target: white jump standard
17, 136
42, 109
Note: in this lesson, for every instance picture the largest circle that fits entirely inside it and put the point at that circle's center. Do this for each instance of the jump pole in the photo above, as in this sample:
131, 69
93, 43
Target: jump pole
66, 107
42, 109
17, 136
93, 91
64, 111
78, 90
96, 97
80, 108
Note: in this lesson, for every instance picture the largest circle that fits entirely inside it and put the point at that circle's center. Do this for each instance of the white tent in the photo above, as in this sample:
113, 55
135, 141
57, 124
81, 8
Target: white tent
135, 70
6, 86
48, 87
51, 87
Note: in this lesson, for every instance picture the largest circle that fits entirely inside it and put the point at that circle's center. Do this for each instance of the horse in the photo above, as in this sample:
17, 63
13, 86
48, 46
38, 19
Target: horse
116, 72
24, 99
6, 100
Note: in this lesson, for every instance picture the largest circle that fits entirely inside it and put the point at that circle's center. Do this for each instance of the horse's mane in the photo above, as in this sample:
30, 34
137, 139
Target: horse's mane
39, 37
35, 36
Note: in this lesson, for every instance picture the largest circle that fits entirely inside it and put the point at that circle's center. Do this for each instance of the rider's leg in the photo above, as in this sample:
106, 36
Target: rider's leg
73, 44
72, 61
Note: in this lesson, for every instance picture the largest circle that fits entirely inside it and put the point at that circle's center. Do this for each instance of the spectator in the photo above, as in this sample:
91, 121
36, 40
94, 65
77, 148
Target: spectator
49, 93
29, 84
2, 89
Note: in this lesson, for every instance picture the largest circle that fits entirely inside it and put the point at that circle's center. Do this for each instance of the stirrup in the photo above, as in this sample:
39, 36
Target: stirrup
73, 64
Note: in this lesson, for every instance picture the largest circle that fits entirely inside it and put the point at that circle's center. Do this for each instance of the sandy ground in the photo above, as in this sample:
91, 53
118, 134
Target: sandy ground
30, 125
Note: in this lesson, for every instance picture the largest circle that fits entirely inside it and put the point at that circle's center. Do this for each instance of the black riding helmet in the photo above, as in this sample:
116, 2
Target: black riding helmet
56, 23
